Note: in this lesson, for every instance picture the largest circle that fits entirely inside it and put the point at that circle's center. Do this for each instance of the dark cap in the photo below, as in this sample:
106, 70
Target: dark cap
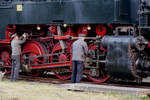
81, 35
14, 35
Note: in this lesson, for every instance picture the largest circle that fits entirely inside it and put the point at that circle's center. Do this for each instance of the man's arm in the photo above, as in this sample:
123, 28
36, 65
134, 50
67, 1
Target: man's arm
85, 46
71, 50
22, 40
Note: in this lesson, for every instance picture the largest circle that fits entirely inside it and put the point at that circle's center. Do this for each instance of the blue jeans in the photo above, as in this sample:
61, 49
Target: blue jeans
77, 71
15, 67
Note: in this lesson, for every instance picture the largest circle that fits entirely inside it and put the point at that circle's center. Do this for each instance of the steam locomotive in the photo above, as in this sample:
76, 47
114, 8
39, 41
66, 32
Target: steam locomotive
117, 33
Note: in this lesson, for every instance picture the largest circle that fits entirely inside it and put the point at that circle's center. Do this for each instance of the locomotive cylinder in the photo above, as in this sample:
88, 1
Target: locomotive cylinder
121, 56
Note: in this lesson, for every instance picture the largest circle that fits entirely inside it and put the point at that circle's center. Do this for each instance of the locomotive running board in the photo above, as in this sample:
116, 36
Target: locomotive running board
51, 65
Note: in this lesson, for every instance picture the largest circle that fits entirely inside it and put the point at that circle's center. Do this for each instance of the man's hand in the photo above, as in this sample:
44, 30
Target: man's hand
25, 35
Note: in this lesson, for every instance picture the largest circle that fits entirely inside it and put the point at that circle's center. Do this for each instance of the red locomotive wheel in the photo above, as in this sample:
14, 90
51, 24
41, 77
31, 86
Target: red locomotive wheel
5, 57
34, 48
100, 75
61, 73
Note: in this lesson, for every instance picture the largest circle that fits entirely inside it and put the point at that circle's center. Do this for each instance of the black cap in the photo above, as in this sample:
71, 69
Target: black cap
14, 35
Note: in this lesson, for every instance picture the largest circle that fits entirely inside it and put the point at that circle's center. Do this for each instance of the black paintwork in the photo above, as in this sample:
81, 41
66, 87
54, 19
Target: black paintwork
119, 59
68, 12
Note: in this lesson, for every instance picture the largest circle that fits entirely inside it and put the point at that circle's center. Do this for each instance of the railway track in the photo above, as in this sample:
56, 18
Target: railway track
131, 88
51, 79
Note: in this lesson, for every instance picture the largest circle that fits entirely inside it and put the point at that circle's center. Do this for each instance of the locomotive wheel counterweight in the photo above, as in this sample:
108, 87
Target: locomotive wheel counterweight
97, 72
61, 73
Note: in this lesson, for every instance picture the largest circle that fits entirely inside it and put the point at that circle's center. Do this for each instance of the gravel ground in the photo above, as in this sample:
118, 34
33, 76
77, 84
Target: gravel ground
40, 91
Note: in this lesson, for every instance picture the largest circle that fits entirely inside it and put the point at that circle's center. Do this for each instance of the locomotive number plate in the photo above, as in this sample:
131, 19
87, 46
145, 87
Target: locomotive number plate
19, 8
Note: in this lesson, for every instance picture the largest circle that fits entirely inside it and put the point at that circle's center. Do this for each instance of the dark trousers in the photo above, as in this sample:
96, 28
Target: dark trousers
15, 67
77, 71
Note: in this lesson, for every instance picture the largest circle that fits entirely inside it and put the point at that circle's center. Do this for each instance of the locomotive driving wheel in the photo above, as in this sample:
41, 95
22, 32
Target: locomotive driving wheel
5, 59
96, 71
33, 49
65, 72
